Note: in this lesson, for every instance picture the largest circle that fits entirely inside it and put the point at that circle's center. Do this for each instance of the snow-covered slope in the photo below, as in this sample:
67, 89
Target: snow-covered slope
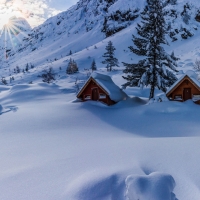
96, 20
55, 147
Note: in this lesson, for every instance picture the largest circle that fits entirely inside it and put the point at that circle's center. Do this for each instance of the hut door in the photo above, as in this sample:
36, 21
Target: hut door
187, 94
95, 94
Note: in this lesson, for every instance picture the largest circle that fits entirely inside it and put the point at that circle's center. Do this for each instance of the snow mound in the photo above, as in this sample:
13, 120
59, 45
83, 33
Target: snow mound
180, 72
192, 74
131, 102
104, 185
97, 186
4, 88
25, 92
156, 186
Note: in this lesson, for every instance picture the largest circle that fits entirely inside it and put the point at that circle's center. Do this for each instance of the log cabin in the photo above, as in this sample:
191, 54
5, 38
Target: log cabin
100, 87
186, 87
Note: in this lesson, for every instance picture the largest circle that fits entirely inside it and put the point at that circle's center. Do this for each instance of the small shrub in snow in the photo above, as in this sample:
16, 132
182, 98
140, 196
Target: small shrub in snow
17, 69
3, 80
48, 76
110, 60
72, 67
93, 66
197, 65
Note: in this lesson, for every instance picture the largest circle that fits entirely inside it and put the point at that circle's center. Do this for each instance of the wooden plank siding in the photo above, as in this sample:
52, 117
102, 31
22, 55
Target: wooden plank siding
178, 93
87, 93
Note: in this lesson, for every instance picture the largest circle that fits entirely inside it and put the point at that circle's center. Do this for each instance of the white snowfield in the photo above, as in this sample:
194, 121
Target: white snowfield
53, 147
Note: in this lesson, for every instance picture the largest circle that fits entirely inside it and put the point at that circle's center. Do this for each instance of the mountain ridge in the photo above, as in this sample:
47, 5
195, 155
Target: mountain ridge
82, 27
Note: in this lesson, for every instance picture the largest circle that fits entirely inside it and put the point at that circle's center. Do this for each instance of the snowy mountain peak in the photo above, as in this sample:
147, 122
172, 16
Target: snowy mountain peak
88, 24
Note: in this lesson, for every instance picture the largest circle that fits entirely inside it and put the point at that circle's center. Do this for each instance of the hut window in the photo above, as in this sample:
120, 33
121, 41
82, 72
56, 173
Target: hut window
187, 82
178, 97
102, 96
87, 97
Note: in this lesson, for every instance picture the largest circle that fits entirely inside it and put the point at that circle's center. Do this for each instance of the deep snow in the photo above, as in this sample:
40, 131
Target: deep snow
55, 147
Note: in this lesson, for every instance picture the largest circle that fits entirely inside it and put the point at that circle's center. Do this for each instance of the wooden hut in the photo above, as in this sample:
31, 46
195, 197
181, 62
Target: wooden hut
186, 87
100, 87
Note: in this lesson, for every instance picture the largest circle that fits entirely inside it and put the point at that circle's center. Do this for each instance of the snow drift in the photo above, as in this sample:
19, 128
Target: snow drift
156, 186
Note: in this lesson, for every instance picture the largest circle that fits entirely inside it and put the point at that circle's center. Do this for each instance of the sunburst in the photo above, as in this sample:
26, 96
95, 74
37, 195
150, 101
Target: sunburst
10, 23
10, 34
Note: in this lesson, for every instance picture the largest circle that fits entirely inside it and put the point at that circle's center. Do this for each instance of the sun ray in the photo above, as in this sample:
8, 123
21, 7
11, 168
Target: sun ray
12, 34
17, 25
15, 28
9, 33
12, 39
5, 43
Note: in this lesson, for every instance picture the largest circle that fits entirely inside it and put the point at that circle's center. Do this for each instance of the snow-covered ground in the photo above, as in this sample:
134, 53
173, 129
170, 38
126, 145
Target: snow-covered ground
53, 147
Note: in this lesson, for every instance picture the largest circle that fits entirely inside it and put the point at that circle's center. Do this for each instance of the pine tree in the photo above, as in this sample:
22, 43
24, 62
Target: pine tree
72, 67
93, 66
32, 66
109, 56
18, 69
155, 69
4, 81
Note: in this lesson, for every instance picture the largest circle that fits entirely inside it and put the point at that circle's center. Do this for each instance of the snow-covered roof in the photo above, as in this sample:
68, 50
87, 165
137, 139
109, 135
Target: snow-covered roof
105, 81
191, 75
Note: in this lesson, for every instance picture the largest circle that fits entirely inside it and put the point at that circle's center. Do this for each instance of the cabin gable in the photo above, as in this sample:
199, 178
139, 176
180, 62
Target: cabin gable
93, 91
184, 90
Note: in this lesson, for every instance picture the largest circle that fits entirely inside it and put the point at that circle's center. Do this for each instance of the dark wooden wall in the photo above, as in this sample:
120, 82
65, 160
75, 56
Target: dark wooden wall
87, 92
179, 91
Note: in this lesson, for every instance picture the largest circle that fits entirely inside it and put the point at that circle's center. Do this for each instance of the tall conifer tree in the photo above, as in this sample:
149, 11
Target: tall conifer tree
155, 69
109, 56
